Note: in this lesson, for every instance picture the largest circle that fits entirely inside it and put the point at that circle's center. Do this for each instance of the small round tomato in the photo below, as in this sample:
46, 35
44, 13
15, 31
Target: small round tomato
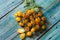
43, 18
37, 27
36, 15
32, 22
25, 21
31, 17
40, 14
28, 12
24, 15
29, 24
27, 28
21, 30
29, 33
33, 30
21, 23
15, 14
19, 13
42, 22
22, 36
18, 19
43, 27
37, 20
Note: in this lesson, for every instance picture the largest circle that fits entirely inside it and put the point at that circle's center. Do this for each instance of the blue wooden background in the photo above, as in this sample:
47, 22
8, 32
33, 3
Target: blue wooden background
8, 25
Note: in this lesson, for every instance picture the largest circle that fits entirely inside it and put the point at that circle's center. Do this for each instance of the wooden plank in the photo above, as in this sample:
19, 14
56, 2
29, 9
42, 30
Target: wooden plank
8, 25
53, 34
11, 4
8, 5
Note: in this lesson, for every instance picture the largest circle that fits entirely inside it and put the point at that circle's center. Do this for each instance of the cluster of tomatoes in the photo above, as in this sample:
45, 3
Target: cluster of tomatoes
30, 21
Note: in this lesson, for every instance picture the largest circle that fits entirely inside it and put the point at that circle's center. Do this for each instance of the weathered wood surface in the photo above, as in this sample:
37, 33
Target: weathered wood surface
8, 25
53, 34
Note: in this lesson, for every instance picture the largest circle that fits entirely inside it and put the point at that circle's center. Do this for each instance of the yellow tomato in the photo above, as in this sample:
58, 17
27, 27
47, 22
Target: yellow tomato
33, 30
42, 22
43, 19
43, 27
37, 27
19, 13
21, 24
21, 30
27, 28
27, 14
37, 20
22, 36
15, 14
24, 15
40, 14
29, 24
25, 21
29, 33
32, 22
31, 17
30, 11
18, 18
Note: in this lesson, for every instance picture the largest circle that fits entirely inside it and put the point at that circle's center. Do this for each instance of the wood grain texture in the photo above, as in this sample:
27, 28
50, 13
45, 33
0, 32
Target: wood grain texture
53, 34
7, 5
8, 25
12, 3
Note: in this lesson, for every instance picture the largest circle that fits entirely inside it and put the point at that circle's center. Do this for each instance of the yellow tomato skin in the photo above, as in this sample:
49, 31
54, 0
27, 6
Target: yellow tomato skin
31, 17
22, 36
42, 23
27, 29
21, 24
37, 20
30, 11
29, 24
37, 27
21, 30
43, 18
33, 30
15, 14
43, 27
23, 15
19, 13
18, 19
29, 33
40, 14
32, 22
25, 21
